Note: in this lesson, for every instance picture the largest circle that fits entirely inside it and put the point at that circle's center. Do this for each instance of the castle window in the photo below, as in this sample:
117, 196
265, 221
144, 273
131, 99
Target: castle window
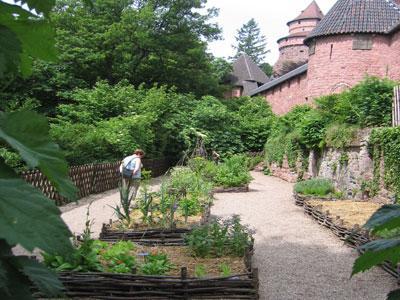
311, 48
299, 22
362, 42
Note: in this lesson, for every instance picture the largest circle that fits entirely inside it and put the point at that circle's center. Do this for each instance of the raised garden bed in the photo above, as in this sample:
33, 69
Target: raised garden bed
179, 283
238, 189
343, 219
152, 236
299, 199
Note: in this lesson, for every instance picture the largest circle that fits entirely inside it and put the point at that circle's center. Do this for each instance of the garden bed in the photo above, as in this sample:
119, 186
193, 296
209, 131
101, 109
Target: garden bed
153, 235
237, 189
179, 283
299, 199
343, 219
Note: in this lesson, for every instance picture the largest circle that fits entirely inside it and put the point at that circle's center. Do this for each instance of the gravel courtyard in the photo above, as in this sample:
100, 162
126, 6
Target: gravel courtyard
297, 259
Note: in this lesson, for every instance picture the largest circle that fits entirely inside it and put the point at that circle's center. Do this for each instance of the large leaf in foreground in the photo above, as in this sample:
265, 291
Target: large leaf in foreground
376, 253
43, 278
29, 29
10, 47
28, 218
385, 218
394, 295
28, 133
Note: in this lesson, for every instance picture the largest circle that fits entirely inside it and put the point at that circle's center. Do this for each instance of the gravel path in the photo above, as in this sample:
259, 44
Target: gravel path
296, 257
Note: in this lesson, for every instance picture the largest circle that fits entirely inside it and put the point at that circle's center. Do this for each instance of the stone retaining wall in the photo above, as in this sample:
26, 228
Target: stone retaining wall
351, 169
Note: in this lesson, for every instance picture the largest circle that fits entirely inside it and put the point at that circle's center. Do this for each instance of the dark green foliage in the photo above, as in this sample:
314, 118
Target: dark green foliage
332, 123
315, 187
218, 238
386, 142
386, 219
250, 41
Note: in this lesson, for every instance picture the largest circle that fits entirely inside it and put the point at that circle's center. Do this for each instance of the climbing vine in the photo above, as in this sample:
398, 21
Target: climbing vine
386, 144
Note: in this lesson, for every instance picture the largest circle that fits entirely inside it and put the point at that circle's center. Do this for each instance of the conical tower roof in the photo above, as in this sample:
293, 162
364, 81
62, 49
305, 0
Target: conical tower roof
311, 12
245, 69
358, 16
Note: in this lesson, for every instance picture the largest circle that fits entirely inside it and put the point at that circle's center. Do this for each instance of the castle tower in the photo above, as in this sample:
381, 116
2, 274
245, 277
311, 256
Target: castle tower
356, 38
292, 51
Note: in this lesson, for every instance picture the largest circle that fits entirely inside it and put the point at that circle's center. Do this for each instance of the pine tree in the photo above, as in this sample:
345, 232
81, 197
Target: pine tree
250, 41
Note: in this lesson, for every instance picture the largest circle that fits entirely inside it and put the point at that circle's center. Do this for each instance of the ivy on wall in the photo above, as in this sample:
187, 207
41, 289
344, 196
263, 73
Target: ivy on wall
385, 143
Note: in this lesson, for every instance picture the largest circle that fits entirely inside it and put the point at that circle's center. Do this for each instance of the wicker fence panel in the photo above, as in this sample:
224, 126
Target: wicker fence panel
91, 178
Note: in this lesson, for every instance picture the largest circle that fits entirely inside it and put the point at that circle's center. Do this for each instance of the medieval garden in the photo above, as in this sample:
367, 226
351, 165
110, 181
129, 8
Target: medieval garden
256, 180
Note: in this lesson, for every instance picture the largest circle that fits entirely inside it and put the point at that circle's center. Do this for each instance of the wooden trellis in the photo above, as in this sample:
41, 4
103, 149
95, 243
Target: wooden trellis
91, 178
396, 107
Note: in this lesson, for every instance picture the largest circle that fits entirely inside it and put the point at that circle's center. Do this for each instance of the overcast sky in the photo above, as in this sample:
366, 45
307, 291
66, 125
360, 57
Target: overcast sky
271, 16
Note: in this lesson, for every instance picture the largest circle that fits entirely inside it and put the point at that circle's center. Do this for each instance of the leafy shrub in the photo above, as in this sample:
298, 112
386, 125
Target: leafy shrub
339, 135
118, 258
233, 172
186, 182
317, 187
95, 256
156, 264
253, 161
218, 238
203, 167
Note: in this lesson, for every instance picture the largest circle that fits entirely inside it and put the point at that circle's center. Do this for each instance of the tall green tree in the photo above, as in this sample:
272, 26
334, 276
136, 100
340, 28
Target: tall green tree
249, 40
145, 42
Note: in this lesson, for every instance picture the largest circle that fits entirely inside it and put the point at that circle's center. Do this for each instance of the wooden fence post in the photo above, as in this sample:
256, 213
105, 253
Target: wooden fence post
396, 107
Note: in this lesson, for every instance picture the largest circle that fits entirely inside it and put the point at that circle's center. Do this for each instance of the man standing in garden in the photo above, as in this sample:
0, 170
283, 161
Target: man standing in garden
131, 171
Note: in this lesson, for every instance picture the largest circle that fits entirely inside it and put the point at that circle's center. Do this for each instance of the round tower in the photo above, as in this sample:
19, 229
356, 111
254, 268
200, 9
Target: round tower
292, 51
356, 38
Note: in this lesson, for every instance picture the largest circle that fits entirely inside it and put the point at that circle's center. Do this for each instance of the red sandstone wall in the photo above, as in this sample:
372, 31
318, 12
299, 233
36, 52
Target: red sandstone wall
331, 71
303, 26
283, 98
394, 57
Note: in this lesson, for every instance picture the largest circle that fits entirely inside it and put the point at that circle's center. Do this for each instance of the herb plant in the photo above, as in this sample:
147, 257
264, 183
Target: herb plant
156, 264
225, 270
220, 238
316, 186
200, 271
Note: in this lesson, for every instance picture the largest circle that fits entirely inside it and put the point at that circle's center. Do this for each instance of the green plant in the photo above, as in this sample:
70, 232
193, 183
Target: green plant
384, 222
316, 186
190, 206
340, 135
118, 258
122, 210
385, 144
200, 271
233, 172
156, 264
218, 238
344, 159
267, 171
225, 269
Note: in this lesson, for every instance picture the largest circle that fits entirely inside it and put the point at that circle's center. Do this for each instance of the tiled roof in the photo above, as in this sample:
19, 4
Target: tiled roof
244, 69
358, 16
300, 70
311, 12
295, 35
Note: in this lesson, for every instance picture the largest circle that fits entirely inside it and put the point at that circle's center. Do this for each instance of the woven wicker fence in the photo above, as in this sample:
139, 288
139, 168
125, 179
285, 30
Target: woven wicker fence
92, 178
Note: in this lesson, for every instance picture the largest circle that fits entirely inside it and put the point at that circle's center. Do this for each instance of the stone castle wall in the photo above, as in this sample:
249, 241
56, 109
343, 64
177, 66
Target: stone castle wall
350, 169
302, 26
